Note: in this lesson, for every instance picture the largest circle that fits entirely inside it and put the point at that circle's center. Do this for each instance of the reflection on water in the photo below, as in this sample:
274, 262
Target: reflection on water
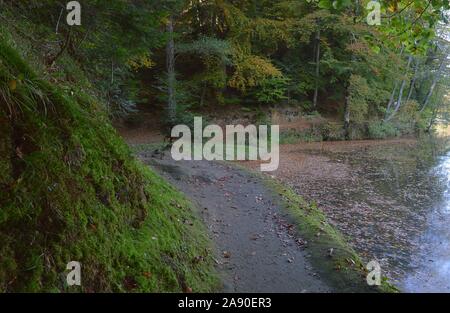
395, 208
431, 271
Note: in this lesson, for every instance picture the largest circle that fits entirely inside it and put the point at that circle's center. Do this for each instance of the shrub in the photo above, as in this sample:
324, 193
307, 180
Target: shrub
332, 131
292, 136
381, 130
271, 90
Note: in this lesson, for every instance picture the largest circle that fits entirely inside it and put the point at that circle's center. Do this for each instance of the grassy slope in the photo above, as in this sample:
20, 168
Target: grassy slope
71, 191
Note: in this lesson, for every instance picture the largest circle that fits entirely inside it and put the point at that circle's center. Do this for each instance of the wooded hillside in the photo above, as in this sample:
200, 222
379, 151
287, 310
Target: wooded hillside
321, 56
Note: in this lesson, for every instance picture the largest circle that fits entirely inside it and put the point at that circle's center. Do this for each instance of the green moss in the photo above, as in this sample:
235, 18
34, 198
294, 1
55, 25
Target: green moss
71, 191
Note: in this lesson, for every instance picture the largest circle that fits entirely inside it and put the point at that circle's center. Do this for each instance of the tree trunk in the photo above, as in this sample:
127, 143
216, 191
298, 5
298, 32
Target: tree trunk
435, 113
112, 71
347, 113
202, 97
347, 101
171, 79
400, 95
391, 99
59, 20
433, 84
429, 94
432, 120
317, 59
413, 81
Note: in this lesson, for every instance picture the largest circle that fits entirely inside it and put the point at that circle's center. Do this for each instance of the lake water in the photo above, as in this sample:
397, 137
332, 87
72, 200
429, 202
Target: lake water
395, 208
430, 270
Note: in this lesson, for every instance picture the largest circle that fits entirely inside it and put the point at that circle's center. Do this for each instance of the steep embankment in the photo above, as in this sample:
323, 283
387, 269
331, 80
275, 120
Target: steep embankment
71, 191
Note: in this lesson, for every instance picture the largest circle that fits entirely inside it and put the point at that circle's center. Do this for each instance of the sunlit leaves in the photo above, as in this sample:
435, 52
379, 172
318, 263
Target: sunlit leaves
250, 70
140, 61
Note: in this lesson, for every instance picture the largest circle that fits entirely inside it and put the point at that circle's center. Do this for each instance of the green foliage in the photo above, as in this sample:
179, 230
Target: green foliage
251, 70
331, 131
293, 136
243, 50
359, 94
381, 130
100, 46
208, 47
271, 90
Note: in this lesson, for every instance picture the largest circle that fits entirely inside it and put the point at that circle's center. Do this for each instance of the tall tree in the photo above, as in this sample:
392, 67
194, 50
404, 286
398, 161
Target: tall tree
171, 78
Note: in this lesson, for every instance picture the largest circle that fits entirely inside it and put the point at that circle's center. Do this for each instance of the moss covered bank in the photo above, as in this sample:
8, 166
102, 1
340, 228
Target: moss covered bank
71, 191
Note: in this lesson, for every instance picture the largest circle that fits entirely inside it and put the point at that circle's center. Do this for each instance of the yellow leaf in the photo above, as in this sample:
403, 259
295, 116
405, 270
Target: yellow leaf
392, 7
12, 85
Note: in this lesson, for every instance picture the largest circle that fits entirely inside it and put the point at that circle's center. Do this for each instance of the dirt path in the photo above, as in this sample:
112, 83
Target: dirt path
256, 249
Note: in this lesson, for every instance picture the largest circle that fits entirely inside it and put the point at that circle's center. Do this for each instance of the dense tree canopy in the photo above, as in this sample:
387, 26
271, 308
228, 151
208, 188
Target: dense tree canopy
320, 55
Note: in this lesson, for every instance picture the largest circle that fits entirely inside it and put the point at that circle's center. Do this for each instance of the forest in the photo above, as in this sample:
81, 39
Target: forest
90, 91
323, 57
